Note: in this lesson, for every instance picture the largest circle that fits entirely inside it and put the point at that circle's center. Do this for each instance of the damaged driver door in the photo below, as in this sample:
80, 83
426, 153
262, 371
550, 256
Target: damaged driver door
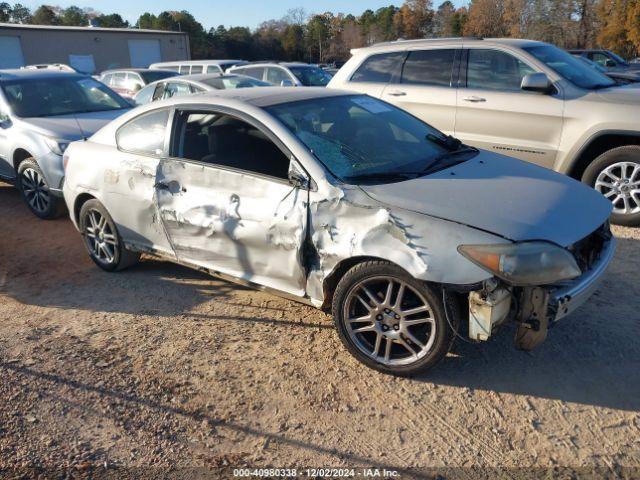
228, 204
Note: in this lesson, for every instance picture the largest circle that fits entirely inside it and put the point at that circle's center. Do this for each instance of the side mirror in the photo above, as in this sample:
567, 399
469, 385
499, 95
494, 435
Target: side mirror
297, 177
536, 82
137, 87
5, 121
286, 83
609, 63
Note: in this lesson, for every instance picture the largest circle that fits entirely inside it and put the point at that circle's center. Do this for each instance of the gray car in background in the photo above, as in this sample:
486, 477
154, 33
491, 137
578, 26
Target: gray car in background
191, 84
41, 112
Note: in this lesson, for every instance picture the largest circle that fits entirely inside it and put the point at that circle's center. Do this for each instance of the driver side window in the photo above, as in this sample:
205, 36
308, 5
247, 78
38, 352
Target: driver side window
495, 70
225, 140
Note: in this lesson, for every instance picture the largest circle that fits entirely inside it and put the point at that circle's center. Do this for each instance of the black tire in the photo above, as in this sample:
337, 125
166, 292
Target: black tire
373, 271
104, 244
36, 192
627, 153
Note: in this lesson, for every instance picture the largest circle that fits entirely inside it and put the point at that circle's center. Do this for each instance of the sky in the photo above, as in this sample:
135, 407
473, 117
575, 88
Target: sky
211, 13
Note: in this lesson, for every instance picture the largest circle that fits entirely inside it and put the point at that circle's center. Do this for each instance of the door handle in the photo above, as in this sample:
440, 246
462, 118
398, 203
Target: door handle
397, 93
474, 99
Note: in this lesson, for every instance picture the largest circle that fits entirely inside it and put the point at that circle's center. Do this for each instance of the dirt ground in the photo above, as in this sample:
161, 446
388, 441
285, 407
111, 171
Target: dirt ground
160, 366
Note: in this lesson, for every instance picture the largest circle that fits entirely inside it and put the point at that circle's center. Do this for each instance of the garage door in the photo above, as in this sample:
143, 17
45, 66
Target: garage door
144, 52
11, 49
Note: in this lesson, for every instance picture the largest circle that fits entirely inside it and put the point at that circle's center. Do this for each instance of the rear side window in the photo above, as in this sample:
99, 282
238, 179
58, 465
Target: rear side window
379, 68
429, 67
195, 69
255, 72
185, 69
144, 134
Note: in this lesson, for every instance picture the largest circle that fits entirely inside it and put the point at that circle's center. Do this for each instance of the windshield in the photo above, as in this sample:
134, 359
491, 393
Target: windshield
311, 76
236, 81
155, 75
617, 58
569, 67
360, 139
49, 96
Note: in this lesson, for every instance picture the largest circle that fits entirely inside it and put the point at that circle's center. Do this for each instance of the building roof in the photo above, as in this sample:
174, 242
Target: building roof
89, 29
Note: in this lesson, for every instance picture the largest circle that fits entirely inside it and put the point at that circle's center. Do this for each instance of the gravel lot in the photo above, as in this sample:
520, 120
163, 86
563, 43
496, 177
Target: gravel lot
164, 366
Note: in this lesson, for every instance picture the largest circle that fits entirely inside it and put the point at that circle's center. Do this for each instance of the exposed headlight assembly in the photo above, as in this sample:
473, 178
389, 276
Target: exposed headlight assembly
56, 146
524, 264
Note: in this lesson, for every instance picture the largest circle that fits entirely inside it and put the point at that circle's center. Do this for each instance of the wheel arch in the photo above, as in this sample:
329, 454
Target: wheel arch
331, 281
598, 145
19, 155
78, 203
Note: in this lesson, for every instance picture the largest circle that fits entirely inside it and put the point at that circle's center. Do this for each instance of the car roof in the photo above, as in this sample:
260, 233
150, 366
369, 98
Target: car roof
267, 63
12, 74
267, 96
456, 41
199, 62
136, 70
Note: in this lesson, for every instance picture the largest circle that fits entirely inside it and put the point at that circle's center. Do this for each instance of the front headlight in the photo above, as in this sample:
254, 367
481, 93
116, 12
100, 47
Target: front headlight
527, 263
56, 146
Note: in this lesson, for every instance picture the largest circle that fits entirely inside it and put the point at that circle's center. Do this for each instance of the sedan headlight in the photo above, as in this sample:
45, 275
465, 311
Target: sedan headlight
56, 146
527, 263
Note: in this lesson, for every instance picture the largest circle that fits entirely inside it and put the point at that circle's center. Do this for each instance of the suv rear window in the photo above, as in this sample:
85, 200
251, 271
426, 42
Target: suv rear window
379, 68
429, 67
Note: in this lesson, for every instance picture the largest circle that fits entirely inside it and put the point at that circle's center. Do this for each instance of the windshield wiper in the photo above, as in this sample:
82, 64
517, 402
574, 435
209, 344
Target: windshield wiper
436, 162
381, 176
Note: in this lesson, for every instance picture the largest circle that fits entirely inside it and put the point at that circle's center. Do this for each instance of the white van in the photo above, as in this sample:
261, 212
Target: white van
194, 67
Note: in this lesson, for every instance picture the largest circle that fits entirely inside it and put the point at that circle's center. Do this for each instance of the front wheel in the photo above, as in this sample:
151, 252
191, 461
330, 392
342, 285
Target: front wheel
389, 320
616, 175
102, 240
36, 192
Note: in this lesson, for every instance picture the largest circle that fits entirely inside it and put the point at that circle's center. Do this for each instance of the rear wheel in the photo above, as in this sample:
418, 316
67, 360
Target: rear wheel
36, 192
389, 320
616, 175
102, 240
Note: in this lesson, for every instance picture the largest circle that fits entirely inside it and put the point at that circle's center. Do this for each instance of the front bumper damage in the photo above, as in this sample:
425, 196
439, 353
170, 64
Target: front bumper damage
535, 309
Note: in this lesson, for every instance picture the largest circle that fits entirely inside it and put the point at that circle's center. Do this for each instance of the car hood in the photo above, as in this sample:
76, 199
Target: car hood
504, 196
75, 126
626, 94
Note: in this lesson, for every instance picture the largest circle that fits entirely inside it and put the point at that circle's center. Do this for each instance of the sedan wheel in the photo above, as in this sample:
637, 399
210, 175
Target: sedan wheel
389, 320
101, 238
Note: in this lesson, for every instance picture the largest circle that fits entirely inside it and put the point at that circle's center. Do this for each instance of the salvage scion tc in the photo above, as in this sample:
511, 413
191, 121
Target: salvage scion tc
347, 203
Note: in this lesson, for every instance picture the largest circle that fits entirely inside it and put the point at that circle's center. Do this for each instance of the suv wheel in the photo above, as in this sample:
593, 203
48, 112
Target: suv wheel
616, 174
389, 320
35, 191
102, 240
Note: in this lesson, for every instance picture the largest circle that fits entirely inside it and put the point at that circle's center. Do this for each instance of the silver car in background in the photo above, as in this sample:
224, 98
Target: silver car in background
41, 112
347, 203
192, 84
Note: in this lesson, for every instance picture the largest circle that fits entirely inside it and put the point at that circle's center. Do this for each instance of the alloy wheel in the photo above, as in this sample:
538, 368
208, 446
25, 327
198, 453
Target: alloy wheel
620, 183
389, 321
100, 237
35, 190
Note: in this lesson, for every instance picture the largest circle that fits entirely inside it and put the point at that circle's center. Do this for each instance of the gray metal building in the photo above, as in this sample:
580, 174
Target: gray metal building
89, 49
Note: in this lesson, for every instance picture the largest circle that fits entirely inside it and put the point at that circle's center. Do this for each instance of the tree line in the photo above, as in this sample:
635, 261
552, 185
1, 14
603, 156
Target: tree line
328, 37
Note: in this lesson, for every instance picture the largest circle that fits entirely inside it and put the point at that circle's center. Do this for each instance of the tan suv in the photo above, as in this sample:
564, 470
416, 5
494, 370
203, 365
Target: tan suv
522, 98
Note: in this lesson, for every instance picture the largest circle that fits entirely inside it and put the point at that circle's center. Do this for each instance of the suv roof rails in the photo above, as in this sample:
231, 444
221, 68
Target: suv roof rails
417, 40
